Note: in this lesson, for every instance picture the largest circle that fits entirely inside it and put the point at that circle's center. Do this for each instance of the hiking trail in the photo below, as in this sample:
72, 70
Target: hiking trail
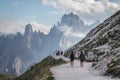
66, 72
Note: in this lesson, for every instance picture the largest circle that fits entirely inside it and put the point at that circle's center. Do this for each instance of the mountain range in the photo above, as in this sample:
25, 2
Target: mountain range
20, 51
101, 46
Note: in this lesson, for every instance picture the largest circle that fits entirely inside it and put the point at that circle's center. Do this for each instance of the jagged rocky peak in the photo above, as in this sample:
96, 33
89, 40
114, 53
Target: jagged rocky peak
28, 35
71, 20
28, 29
54, 30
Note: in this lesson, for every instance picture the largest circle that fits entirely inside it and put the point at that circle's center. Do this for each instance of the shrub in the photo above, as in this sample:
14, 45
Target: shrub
118, 21
102, 41
113, 68
51, 78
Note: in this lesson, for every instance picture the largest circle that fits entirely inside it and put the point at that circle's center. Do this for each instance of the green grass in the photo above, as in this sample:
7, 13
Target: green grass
118, 21
67, 53
113, 69
102, 41
115, 72
41, 71
114, 35
5, 77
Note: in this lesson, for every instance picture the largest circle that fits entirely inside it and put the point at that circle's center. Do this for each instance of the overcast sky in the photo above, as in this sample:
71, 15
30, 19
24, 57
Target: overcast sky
43, 14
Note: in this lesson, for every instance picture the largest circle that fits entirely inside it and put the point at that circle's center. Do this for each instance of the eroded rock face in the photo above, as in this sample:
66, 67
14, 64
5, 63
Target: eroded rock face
104, 42
72, 20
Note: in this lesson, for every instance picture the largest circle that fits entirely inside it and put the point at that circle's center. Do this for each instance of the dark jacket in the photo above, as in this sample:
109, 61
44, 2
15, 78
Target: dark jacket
82, 57
72, 56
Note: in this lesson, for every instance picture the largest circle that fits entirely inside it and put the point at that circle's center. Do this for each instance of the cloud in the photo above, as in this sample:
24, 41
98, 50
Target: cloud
87, 9
79, 35
69, 37
40, 27
11, 26
68, 32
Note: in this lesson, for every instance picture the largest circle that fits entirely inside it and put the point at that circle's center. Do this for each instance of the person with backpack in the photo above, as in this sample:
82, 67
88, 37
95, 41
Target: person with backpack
82, 58
72, 58
61, 53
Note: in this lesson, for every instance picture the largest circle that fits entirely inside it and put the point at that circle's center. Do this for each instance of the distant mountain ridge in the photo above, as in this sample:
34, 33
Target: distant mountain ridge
72, 20
19, 51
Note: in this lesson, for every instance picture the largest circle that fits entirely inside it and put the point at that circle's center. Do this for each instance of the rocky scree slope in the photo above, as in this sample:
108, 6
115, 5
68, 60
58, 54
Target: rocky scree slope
102, 45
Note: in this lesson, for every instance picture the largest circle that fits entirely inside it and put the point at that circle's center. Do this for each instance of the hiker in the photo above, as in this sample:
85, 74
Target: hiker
71, 58
61, 53
82, 58
58, 53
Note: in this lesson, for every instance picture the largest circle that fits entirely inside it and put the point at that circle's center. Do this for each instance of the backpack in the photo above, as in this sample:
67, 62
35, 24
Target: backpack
82, 56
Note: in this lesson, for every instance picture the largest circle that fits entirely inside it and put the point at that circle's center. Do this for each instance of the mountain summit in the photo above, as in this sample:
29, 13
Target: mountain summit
28, 30
72, 20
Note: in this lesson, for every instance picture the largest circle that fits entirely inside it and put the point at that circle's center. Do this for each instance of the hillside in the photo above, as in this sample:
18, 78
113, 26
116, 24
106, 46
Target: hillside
102, 45
5, 77
41, 71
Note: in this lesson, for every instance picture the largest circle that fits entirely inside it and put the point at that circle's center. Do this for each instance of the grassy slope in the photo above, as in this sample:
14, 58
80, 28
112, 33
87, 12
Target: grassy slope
5, 77
41, 71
